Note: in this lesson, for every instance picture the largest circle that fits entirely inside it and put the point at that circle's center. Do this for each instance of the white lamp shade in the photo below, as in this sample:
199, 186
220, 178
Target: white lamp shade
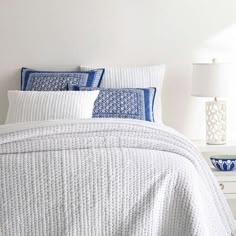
211, 80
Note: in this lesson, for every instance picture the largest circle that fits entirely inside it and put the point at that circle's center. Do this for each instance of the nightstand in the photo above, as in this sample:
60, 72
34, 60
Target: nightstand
226, 179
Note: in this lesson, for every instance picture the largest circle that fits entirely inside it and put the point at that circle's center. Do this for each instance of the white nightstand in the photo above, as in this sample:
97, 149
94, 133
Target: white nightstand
226, 179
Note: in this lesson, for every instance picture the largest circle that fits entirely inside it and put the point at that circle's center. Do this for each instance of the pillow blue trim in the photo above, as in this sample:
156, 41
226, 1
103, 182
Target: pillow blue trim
153, 101
147, 93
147, 96
94, 76
91, 78
101, 76
146, 102
146, 110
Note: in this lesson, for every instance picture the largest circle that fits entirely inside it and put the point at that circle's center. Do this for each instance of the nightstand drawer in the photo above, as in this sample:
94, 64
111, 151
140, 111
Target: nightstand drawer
228, 187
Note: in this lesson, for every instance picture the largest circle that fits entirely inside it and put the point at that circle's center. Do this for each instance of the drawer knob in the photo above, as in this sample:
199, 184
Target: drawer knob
222, 186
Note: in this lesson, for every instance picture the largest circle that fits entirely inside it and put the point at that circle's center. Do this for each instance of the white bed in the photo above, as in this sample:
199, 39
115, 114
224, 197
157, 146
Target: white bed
106, 177
99, 176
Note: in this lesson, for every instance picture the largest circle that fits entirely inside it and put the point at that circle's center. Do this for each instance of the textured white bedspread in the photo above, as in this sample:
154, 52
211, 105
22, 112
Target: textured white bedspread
104, 177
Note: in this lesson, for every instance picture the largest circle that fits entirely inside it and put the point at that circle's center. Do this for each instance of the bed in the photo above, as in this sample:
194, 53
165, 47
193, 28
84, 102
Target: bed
103, 176
106, 177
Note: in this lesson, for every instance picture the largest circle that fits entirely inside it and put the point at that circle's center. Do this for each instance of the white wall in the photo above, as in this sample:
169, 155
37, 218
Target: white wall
61, 34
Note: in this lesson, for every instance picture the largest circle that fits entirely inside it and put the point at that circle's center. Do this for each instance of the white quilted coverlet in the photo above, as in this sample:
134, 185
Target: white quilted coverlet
106, 177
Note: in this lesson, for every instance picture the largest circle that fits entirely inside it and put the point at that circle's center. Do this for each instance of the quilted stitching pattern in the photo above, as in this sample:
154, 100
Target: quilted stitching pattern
106, 177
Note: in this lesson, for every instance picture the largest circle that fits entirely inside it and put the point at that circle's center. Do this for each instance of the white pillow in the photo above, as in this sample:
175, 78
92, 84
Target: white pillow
135, 77
25, 106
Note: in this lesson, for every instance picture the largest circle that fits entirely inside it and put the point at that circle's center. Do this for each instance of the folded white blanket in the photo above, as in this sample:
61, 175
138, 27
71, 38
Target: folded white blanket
106, 177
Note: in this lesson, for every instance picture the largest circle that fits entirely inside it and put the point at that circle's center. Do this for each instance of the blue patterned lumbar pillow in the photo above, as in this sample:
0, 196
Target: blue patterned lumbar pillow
58, 80
132, 103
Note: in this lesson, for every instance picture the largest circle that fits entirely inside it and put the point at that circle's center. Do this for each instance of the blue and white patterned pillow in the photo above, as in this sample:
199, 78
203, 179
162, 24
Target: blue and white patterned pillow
58, 80
131, 103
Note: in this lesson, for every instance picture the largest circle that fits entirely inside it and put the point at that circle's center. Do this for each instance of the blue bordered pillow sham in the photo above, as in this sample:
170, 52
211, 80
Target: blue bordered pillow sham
34, 80
131, 103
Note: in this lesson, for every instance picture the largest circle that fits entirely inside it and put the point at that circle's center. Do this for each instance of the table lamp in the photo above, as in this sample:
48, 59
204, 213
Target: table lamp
211, 80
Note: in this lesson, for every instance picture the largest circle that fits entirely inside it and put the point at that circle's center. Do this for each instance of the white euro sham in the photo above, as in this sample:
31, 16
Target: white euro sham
26, 106
135, 77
